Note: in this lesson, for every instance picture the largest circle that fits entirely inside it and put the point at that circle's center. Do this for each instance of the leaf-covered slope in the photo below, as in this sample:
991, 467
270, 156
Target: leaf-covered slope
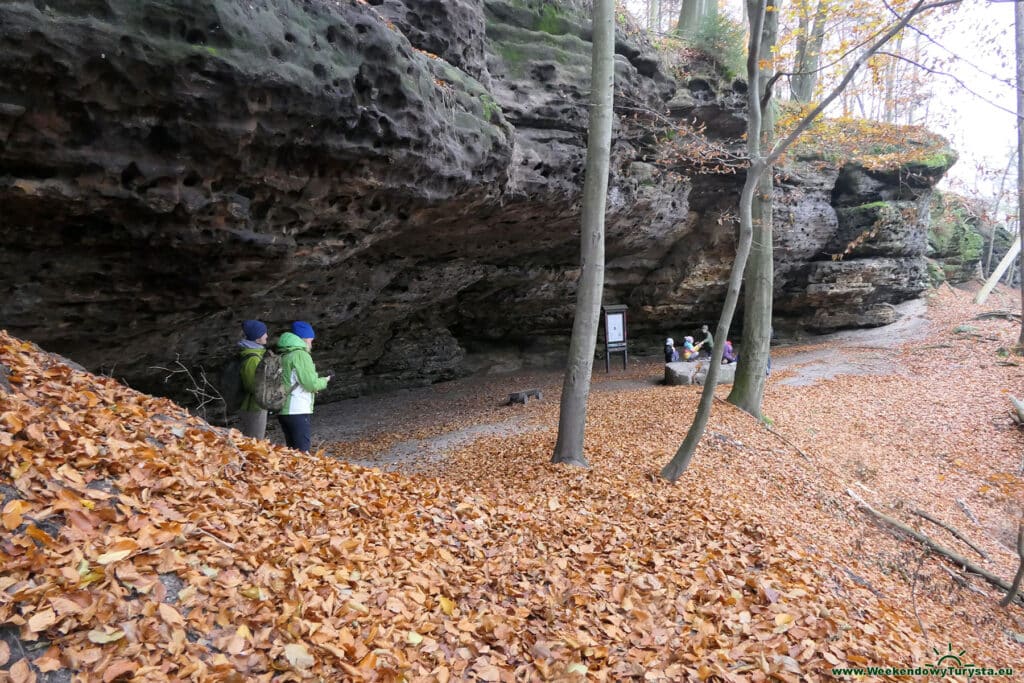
138, 540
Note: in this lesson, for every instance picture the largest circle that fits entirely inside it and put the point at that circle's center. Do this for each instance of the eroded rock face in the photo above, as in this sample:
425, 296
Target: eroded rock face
403, 174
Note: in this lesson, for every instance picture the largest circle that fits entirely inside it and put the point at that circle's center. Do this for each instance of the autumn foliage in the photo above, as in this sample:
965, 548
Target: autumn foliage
140, 543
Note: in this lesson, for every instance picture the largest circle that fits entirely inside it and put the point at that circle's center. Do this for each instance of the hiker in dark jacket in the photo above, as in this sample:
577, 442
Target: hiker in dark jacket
301, 382
252, 418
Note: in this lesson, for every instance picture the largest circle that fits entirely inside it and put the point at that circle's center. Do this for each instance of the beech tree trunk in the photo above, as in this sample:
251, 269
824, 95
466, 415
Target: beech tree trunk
1018, 23
758, 163
805, 71
576, 387
654, 15
675, 468
692, 14
759, 282
995, 214
1004, 266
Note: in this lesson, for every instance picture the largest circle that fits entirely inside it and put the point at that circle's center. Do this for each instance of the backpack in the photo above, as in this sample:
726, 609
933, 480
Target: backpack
230, 385
268, 389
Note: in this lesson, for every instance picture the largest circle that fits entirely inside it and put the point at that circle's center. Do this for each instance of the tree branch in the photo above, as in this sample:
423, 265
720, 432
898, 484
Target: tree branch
956, 80
964, 563
952, 530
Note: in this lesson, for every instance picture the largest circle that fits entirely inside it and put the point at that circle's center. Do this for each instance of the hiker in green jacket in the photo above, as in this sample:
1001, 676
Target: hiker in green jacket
301, 382
707, 343
252, 417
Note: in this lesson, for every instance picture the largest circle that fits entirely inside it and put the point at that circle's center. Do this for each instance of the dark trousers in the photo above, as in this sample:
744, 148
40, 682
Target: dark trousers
297, 431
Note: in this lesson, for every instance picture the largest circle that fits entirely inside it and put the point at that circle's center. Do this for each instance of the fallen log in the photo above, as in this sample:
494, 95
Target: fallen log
963, 562
1006, 315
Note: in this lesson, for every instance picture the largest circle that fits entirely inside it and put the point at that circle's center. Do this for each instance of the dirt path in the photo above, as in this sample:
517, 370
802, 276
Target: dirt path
414, 428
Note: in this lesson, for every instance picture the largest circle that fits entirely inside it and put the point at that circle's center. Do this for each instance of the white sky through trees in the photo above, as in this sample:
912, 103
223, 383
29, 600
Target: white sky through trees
973, 43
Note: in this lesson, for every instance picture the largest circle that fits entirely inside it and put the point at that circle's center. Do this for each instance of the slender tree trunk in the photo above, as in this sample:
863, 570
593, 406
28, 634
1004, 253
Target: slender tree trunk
759, 283
805, 78
758, 163
890, 113
654, 15
1018, 22
675, 468
573, 409
796, 89
995, 214
1005, 266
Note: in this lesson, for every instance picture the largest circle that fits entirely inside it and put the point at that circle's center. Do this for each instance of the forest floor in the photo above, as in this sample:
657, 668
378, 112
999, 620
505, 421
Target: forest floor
421, 425
139, 542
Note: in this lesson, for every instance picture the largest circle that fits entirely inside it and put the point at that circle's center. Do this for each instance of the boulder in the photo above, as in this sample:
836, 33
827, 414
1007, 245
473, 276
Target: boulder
725, 376
681, 373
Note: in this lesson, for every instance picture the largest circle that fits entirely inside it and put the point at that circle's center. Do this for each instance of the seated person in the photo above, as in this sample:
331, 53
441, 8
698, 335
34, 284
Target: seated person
690, 352
671, 355
729, 355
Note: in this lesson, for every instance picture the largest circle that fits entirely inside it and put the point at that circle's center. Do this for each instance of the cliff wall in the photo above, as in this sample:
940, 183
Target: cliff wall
405, 175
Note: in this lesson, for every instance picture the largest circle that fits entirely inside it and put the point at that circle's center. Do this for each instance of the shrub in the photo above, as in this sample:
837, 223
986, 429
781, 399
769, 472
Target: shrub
724, 41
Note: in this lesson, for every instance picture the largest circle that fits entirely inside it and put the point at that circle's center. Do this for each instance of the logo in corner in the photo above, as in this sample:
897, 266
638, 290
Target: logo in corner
950, 659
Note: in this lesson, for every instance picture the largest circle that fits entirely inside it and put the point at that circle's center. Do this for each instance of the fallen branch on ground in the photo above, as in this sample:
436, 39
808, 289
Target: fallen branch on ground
913, 594
962, 581
780, 436
859, 580
790, 444
952, 530
1006, 315
967, 511
963, 562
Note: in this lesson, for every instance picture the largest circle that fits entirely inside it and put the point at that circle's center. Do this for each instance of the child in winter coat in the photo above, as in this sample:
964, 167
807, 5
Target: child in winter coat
729, 355
671, 354
690, 352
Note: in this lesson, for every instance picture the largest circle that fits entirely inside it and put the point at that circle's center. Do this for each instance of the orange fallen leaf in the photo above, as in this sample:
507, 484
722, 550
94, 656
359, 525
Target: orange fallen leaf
170, 615
40, 621
12, 513
119, 668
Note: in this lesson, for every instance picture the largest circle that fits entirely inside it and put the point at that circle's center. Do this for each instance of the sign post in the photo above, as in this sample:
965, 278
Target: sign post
614, 334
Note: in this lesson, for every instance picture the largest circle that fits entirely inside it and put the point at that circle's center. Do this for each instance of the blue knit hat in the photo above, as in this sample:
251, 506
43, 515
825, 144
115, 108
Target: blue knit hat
253, 329
302, 330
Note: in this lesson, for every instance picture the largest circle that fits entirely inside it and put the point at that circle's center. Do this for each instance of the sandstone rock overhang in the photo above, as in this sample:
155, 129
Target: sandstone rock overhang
403, 175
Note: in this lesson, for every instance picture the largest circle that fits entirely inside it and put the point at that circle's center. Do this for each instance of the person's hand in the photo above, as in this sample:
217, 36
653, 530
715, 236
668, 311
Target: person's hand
330, 375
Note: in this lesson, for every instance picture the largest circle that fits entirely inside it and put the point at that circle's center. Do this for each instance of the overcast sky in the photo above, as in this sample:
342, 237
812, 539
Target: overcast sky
975, 44
980, 33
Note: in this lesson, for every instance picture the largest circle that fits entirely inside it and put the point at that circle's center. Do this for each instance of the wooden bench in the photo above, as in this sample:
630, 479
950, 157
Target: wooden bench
524, 396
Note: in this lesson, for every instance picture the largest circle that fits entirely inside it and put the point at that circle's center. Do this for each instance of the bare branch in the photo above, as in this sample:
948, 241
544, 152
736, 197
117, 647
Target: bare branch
964, 563
952, 530
959, 82
913, 594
